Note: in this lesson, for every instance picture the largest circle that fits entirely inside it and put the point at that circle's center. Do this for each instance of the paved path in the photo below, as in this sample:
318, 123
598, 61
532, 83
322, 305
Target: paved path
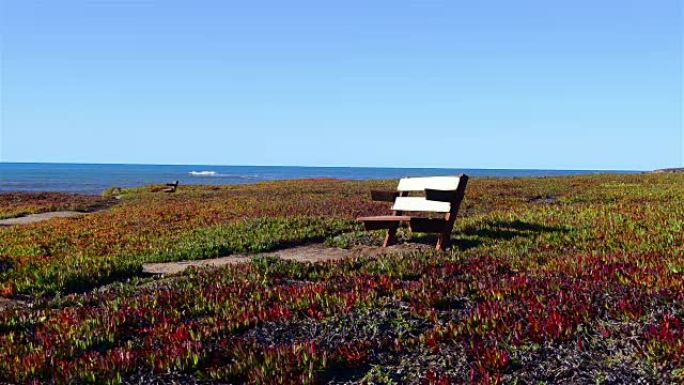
40, 217
8, 302
309, 253
35, 218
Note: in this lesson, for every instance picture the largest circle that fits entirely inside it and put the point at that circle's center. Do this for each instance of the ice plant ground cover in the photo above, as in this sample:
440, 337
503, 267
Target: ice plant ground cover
553, 280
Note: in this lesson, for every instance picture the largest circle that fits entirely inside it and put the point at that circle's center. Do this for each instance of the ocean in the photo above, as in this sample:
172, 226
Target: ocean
95, 178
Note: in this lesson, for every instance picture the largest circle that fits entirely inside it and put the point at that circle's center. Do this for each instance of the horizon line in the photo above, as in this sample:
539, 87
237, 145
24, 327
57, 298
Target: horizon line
305, 166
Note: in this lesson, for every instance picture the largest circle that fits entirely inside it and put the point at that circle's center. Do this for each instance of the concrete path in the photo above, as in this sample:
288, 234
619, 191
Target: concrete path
8, 302
40, 217
35, 218
309, 253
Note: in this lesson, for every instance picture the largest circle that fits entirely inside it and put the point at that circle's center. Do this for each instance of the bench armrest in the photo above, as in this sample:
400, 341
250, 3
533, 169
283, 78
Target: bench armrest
384, 196
440, 195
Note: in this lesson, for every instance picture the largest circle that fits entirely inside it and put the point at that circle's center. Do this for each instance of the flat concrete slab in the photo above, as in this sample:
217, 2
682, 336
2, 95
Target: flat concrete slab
177, 267
10, 302
309, 253
35, 218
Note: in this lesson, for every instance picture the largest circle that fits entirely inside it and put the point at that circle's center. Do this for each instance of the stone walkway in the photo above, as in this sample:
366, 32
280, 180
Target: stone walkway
40, 217
9, 302
309, 253
35, 218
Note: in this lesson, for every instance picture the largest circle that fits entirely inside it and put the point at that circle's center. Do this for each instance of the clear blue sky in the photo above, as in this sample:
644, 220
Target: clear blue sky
581, 84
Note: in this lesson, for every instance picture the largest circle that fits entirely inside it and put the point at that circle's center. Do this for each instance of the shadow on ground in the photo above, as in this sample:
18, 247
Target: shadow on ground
489, 232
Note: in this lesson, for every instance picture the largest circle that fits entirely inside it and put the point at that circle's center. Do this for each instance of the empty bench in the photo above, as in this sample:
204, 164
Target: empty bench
171, 187
439, 194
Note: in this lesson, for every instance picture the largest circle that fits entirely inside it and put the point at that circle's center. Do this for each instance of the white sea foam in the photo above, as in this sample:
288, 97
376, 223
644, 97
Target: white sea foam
214, 174
203, 173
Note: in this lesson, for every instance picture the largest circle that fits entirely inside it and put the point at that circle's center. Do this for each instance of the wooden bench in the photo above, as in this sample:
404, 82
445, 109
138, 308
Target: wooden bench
442, 194
171, 187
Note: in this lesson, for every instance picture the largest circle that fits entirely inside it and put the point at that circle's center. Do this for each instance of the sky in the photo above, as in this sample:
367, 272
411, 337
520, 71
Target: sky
568, 84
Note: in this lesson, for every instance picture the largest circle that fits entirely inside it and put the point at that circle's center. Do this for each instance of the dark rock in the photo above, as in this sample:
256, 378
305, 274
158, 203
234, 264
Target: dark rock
546, 199
5, 266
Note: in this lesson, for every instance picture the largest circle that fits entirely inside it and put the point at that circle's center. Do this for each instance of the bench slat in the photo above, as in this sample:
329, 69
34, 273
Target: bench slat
427, 225
383, 221
420, 204
434, 182
384, 196
382, 218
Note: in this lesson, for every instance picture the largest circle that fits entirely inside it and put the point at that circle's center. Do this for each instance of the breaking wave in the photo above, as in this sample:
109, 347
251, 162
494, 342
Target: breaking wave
208, 174
204, 173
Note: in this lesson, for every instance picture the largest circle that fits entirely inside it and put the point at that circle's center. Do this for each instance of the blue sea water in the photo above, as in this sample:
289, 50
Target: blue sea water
95, 178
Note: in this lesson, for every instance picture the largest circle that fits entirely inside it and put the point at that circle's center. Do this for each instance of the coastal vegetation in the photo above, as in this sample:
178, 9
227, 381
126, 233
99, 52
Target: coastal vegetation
549, 280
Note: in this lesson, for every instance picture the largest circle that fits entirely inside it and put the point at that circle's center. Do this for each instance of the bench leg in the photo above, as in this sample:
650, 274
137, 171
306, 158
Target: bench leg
445, 236
391, 237
443, 241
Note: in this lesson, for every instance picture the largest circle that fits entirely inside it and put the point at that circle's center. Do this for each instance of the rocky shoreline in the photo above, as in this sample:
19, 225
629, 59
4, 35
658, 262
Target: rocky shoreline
670, 170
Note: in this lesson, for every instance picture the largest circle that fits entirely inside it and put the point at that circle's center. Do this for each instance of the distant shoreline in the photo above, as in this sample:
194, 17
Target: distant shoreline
669, 170
93, 179
315, 167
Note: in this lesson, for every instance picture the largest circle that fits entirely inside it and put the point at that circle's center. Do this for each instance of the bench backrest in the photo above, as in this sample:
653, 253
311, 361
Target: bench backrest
446, 183
455, 184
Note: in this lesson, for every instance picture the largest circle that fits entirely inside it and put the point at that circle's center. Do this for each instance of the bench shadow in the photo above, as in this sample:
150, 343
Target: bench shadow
488, 231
